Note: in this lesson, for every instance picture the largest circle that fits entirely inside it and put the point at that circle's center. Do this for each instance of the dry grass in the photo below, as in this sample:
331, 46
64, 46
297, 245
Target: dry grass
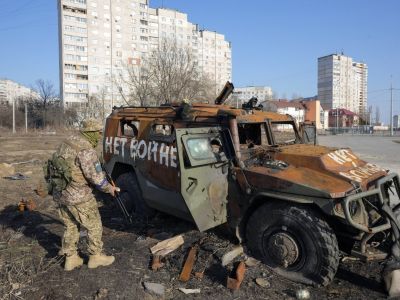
20, 264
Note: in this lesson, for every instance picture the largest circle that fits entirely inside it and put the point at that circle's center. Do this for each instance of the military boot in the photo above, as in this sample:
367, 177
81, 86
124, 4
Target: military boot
72, 262
98, 260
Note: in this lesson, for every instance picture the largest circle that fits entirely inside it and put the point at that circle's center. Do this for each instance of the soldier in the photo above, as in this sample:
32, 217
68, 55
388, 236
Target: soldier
77, 204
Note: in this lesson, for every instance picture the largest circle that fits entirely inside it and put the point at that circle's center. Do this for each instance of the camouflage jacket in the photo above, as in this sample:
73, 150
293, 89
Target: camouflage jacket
86, 172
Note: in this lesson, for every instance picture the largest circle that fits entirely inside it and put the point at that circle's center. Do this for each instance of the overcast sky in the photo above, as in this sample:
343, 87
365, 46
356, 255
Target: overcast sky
274, 43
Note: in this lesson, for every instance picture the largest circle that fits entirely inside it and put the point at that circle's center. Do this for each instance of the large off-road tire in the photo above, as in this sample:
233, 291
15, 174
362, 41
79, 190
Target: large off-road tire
294, 241
131, 195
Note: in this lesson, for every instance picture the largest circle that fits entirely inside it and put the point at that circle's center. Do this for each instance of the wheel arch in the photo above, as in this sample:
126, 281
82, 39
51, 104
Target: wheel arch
121, 168
265, 197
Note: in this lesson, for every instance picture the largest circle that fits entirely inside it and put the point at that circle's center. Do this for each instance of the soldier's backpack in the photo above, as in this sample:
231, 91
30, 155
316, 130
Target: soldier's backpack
57, 172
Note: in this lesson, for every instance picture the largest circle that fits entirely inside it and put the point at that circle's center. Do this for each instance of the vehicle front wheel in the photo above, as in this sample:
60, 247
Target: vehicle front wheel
295, 242
131, 196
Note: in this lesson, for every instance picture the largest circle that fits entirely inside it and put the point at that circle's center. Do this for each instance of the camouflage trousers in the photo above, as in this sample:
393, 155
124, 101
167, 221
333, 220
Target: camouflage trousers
74, 217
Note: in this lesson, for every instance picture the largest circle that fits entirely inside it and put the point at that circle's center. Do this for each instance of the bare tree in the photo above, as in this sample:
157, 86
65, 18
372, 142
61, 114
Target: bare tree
139, 84
93, 108
168, 74
47, 94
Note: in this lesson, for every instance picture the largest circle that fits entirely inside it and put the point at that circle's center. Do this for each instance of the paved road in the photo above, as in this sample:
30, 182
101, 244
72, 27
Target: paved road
383, 151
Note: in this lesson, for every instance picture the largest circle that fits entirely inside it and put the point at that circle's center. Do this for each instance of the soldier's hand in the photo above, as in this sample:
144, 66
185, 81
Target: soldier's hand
114, 190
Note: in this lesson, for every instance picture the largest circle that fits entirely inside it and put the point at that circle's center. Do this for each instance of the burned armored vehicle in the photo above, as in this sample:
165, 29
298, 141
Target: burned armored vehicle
290, 201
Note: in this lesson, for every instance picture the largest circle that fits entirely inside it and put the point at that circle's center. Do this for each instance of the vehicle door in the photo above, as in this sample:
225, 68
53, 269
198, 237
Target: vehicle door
204, 170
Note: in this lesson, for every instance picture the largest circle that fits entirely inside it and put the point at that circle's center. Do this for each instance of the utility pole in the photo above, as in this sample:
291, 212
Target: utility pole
13, 112
391, 107
26, 117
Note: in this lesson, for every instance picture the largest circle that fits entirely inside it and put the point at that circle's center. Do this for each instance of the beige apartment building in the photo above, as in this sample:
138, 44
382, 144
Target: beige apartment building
11, 91
99, 38
262, 93
342, 83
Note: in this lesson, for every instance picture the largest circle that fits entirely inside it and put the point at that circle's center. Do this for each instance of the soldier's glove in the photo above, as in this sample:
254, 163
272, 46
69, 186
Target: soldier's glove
114, 190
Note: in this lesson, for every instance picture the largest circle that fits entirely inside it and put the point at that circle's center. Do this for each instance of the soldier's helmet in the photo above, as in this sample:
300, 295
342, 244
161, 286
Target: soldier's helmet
91, 125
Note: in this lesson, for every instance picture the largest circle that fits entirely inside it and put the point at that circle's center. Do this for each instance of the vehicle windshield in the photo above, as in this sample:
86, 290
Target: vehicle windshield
284, 133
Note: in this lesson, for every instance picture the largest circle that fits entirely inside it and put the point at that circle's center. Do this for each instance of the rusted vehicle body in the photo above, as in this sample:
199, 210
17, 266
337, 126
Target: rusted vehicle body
292, 202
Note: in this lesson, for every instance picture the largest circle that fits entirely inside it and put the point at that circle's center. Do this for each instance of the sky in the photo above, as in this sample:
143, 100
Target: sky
274, 43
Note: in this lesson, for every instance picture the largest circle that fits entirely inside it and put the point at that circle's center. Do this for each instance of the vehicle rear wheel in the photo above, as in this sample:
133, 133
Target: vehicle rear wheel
295, 242
131, 195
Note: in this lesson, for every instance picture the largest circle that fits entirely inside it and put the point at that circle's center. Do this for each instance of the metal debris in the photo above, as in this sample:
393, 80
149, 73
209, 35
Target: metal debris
234, 283
167, 246
189, 291
188, 266
231, 255
17, 176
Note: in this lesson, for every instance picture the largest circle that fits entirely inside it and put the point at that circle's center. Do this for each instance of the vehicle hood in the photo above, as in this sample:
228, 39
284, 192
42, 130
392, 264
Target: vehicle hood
310, 170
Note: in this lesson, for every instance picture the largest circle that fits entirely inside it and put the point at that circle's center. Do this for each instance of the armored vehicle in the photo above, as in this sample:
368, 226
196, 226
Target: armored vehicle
290, 201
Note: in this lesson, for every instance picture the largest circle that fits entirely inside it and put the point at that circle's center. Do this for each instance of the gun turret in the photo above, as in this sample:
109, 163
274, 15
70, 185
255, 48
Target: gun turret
225, 93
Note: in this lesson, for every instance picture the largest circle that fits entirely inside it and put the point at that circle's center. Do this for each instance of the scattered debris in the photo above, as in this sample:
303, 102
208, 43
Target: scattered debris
351, 258
156, 263
154, 288
263, 282
6, 170
251, 262
302, 294
17, 176
199, 275
188, 266
234, 283
167, 246
101, 294
231, 255
29, 205
189, 291
41, 191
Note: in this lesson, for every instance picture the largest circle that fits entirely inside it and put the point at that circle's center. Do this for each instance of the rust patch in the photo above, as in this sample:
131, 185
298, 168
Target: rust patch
188, 266
234, 283
217, 193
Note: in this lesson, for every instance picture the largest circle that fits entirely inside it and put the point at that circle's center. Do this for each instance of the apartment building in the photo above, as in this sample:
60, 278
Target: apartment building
99, 38
342, 83
11, 91
262, 93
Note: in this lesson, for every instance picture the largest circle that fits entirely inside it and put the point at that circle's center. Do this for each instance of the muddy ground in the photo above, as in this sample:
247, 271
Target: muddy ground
31, 269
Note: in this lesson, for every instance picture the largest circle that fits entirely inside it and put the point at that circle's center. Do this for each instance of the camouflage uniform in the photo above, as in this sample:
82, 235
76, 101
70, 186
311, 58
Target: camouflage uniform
78, 206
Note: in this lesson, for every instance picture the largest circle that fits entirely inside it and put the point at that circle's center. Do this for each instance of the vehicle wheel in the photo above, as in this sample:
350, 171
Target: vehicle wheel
131, 195
295, 242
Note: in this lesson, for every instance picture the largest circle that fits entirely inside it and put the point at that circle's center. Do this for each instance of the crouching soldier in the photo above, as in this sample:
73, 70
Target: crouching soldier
77, 159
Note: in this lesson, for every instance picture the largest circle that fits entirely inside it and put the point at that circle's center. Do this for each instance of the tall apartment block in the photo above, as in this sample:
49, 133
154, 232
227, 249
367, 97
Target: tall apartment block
342, 83
11, 91
98, 38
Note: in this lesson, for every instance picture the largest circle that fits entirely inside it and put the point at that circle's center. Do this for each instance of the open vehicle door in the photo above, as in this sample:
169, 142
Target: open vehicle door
204, 170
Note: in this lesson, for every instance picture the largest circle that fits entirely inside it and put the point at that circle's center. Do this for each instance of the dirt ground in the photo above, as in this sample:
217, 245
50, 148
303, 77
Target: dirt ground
31, 269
